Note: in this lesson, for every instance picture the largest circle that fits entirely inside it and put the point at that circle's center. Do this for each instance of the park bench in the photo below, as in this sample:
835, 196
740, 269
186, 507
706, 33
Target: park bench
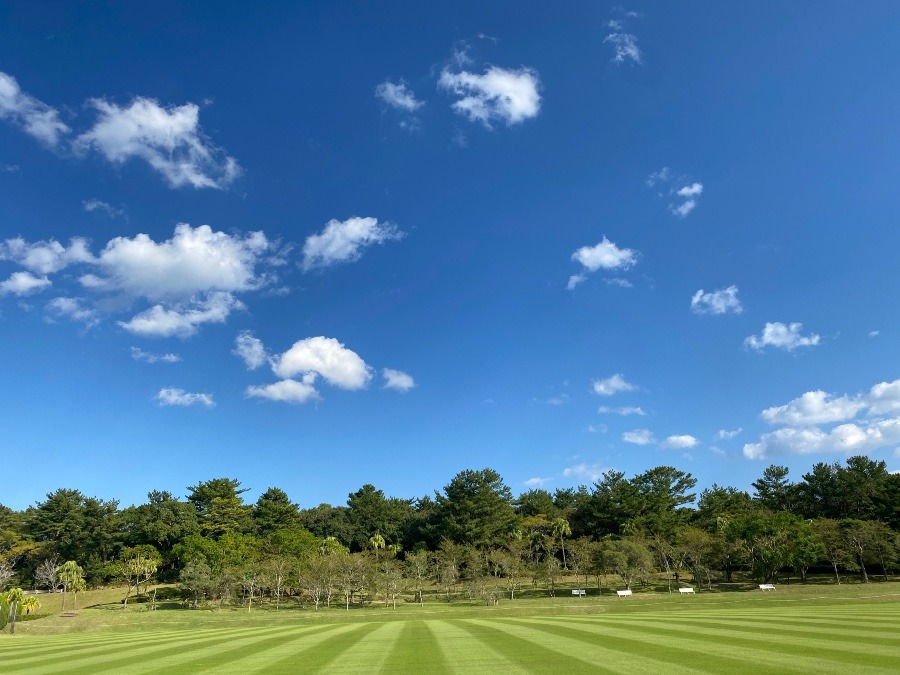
579, 591
624, 594
685, 590
767, 587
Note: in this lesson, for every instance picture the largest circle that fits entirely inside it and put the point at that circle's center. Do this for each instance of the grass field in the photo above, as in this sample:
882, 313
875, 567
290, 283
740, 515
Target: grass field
808, 630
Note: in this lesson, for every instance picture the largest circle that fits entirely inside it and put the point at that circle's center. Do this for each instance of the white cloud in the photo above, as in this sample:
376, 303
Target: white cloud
34, 117
805, 416
343, 241
397, 380
169, 139
680, 442
250, 349
287, 391
639, 437
688, 191
597, 428
575, 280
783, 336
622, 283
726, 435
626, 47
45, 257
537, 482
511, 96
194, 260
398, 96
722, 301
91, 205
72, 309
813, 408
139, 354
874, 333
185, 320
592, 472
623, 411
661, 176
605, 255
24, 283
612, 385
326, 357
683, 209
172, 396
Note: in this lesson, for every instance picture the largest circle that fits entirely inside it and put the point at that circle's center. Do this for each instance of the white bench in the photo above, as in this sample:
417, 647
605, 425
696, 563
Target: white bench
685, 590
767, 587
579, 591
624, 594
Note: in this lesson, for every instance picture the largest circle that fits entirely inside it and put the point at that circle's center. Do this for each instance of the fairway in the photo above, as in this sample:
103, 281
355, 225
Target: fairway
782, 638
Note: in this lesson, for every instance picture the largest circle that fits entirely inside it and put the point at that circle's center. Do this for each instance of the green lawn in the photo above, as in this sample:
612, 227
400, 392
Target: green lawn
809, 630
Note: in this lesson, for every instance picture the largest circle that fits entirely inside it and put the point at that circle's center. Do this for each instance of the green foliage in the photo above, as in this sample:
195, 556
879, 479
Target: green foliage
476, 509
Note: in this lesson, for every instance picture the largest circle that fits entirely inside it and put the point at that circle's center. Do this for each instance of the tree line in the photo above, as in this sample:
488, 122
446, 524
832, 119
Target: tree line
473, 537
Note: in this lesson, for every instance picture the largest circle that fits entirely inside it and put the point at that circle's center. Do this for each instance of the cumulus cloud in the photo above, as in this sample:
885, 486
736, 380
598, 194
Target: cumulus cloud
74, 310
806, 419
327, 357
680, 442
537, 482
623, 411
286, 391
397, 380
726, 435
194, 260
34, 117
250, 349
722, 301
398, 95
605, 255
139, 354
45, 257
612, 385
639, 437
814, 407
182, 320
343, 241
170, 396
169, 139
782, 336
591, 472
23, 283
510, 96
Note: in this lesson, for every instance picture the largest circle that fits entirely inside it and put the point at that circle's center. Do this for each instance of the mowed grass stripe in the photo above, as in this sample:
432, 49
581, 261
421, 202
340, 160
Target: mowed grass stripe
194, 659
92, 661
46, 646
120, 643
511, 653
466, 655
416, 651
819, 655
711, 651
846, 632
219, 657
588, 650
318, 656
832, 640
368, 655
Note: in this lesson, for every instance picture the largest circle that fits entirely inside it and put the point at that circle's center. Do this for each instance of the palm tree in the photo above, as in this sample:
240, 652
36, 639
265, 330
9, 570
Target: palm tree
30, 604
14, 597
376, 541
560, 528
68, 573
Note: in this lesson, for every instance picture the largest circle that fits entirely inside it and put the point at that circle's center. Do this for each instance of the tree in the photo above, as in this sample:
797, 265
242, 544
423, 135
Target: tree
275, 511
137, 566
774, 491
77, 586
835, 550
376, 543
368, 511
196, 579
630, 559
560, 528
14, 598
476, 509
30, 604
47, 574
419, 568
69, 573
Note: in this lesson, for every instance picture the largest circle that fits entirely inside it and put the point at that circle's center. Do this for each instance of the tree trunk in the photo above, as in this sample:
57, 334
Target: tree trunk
862, 569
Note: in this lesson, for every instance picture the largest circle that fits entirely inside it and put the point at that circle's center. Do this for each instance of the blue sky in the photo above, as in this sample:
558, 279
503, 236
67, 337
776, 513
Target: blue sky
323, 244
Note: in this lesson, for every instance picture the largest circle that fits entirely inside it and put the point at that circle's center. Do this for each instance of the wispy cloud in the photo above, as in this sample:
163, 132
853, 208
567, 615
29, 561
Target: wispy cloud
171, 396
344, 241
34, 117
781, 336
612, 385
722, 301
139, 354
